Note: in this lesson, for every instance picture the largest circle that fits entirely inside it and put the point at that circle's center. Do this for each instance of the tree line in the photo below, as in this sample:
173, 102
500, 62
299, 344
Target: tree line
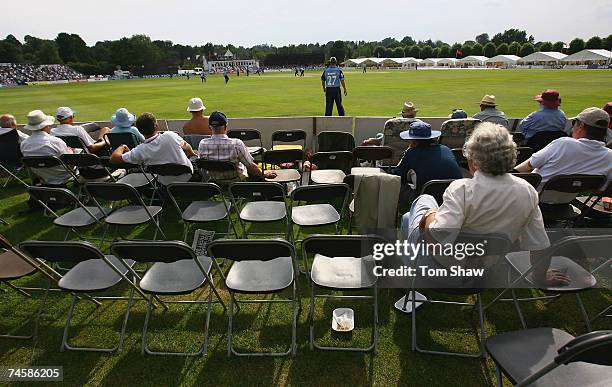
140, 54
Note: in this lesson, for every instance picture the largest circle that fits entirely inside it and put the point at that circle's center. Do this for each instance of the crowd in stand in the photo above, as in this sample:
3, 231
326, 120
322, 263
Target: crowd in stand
19, 74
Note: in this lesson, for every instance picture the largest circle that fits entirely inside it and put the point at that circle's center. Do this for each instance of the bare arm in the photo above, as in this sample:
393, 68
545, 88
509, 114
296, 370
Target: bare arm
343, 86
188, 150
524, 167
117, 156
542, 272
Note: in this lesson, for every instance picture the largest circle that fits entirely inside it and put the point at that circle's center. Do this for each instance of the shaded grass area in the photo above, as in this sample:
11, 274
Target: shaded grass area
258, 327
377, 93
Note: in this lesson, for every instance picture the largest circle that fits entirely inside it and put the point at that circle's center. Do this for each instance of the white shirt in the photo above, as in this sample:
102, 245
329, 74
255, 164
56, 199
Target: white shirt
22, 136
40, 143
72, 130
163, 148
568, 156
488, 204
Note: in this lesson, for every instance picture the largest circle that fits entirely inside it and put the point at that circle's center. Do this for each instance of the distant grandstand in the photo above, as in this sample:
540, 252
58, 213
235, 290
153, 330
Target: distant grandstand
12, 74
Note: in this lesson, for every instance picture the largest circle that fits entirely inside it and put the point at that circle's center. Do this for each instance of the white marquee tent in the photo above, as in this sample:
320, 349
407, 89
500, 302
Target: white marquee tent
503, 60
473, 60
545, 57
589, 56
447, 62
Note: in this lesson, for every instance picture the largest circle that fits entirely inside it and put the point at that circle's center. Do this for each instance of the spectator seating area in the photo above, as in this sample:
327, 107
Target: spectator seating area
20, 74
249, 265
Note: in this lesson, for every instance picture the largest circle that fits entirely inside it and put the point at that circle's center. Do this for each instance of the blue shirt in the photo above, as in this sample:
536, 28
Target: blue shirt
543, 120
429, 162
139, 137
332, 76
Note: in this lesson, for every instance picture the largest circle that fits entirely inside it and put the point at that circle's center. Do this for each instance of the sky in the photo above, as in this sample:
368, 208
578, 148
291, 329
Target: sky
251, 22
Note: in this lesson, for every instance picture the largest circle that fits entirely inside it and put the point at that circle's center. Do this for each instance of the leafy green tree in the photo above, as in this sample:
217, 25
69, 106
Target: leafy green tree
558, 46
595, 43
514, 48
509, 36
527, 49
466, 50
483, 39
339, 50
445, 51
413, 51
426, 52
607, 42
545, 46
575, 46
408, 41
71, 47
489, 50
502, 49
477, 49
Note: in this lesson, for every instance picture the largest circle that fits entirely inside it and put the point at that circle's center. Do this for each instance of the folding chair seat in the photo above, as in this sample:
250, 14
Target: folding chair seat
93, 272
335, 141
249, 135
324, 205
134, 174
194, 140
373, 155
115, 140
289, 138
495, 248
332, 167
436, 188
260, 202
260, 266
455, 131
558, 193
176, 271
552, 357
202, 207
169, 173
42, 165
132, 214
342, 263
13, 266
532, 178
565, 255
279, 157
219, 172
90, 167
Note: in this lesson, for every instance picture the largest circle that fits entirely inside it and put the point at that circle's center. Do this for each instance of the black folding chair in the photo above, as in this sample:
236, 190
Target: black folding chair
342, 263
523, 153
552, 357
260, 266
318, 205
202, 206
371, 154
249, 135
220, 172
10, 156
291, 136
456, 131
560, 191
541, 139
176, 271
332, 167
89, 165
532, 178
335, 141
134, 213
93, 272
74, 142
115, 140
37, 164
135, 175
276, 158
436, 188
260, 202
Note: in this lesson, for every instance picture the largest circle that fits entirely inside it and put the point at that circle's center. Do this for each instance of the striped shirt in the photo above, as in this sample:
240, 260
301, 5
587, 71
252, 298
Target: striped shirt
220, 147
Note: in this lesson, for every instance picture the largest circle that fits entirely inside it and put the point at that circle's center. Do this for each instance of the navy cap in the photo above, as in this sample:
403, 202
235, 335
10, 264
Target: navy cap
458, 113
419, 130
217, 119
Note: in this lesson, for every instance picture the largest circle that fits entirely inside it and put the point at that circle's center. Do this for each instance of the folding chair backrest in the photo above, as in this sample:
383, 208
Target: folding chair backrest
341, 245
250, 249
523, 153
153, 251
257, 191
74, 142
436, 188
532, 178
81, 160
10, 150
115, 140
335, 141
215, 165
193, 191
194, 140
541, 139
581, 247
391, 136
106, 163
42, 162
320, 192
244, 134
593, 347
278, 157
563, 189
113, 192
168, 169
372, 153
289, 136
518, 138
53, 196
333, 160
64, 251
455, 131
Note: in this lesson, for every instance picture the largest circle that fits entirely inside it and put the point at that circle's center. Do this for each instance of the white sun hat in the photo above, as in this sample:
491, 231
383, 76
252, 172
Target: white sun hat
38, 120
196, 105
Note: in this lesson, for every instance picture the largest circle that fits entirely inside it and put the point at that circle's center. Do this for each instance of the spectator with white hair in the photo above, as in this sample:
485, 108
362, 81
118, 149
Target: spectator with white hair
492, 202
65, 116
8, 123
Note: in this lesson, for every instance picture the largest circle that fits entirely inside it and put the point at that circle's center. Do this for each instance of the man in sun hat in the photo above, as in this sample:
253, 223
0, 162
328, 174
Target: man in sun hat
395, 126
65, 116
41, 143
123, 122
583, 153
425, 158
549, 118
198, 124
489, 113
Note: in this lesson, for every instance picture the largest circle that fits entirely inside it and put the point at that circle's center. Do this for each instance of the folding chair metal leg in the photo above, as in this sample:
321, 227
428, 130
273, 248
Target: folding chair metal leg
37, 316
585, 315
517, 306
602, 313
498, 377
65, 340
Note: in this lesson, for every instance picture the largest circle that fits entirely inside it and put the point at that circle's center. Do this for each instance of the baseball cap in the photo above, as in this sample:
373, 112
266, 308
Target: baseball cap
333, 60
595, 117
217, 119
458, 113
195, 105
64, 112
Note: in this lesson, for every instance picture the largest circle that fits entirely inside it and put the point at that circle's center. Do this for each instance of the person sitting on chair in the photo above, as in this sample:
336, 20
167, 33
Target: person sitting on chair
65, 116
549, 118
8, 123
198, 124
124, 121
408, 116
489, 113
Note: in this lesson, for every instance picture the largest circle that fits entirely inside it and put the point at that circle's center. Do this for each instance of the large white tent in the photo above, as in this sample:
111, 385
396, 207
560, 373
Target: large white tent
429, 62
544, 57
473, 60
447, 62
589, 56
503, 60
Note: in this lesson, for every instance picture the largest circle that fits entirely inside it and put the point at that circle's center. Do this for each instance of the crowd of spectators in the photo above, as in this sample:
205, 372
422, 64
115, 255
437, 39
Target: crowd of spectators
19, 74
